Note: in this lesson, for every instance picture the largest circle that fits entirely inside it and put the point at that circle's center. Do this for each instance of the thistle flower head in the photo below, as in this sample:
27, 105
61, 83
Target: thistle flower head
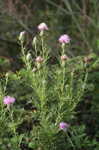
8, 100
64, 57
63, 126
42, 27
64, 39
87, 59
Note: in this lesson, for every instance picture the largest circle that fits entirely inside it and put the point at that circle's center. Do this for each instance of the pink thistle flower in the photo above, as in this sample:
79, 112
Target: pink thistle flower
64, 126
64, 57
64, 39
39, 59
8, 100
42, 27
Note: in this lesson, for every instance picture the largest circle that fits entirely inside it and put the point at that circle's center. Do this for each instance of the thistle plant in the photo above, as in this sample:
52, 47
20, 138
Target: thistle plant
57, 88
52, 90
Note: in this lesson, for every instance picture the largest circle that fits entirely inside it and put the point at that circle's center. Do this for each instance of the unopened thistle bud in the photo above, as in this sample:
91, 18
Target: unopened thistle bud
28, 57
22, 36
39, 61
34, 40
